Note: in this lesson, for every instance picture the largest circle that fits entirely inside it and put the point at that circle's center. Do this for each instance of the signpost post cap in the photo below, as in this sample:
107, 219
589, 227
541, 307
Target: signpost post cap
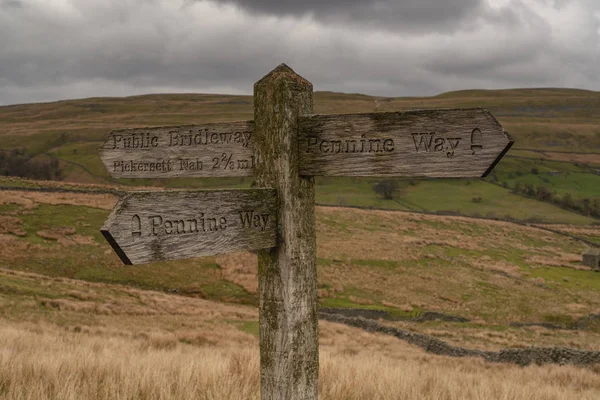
282, 73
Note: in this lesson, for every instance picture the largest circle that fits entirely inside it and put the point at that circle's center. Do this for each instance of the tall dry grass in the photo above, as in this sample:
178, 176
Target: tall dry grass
50, 364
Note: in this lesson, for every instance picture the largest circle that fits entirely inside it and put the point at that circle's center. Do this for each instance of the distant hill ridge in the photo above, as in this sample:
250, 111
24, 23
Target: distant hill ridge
520, 92
526, 92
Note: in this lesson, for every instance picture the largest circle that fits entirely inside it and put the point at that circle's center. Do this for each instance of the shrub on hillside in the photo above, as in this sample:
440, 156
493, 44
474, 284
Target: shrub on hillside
16, 163
543, 193
386, 188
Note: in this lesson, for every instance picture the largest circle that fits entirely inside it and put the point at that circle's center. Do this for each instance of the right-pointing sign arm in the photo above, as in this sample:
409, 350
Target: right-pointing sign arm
424, 143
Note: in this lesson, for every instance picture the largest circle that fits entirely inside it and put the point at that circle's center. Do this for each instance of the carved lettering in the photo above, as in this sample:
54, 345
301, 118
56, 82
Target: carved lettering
203, 137
190, 165
476, 141
245, 164
136, 166
429, 143
361, 145
134, 141
193, 223
388, 145
453, 142
251, 220
156, 221
136, 227
180, 226
423, 143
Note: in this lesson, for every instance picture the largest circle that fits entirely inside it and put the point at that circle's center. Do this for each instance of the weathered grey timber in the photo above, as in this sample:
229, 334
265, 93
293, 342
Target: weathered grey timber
424, 143
287, 274
210, 150
146, 227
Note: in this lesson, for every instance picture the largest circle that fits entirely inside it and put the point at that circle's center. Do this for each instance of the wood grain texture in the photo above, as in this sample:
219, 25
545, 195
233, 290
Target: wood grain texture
289, 349
223, 149
443, 143
145, 227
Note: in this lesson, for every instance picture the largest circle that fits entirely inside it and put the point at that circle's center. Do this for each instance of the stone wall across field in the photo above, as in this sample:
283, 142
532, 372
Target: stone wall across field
532, 355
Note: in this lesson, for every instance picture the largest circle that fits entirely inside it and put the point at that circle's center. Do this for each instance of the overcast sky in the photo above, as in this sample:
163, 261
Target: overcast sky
63, 49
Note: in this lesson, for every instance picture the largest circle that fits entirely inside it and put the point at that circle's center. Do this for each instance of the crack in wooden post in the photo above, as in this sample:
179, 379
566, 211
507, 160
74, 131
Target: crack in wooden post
289, 353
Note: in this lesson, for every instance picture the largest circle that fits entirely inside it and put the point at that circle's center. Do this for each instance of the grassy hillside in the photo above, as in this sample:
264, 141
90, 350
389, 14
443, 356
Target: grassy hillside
558, 126
493, 273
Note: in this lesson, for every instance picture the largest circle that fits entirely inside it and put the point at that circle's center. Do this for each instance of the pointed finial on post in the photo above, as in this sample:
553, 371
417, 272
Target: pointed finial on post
283, 71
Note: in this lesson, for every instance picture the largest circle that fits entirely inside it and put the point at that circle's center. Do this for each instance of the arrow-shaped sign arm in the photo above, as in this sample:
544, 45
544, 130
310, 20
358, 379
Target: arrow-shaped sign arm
146, 227
438, 143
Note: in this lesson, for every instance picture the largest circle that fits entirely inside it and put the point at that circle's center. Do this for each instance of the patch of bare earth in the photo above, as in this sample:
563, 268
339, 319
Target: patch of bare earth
584, 158
241, 269
588, 231
12, 248
66, 237
29, 200
557, 259
486, 263
11, 225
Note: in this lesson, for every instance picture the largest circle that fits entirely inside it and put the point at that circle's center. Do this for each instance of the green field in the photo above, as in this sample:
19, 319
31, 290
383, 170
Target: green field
581, 181
447, 196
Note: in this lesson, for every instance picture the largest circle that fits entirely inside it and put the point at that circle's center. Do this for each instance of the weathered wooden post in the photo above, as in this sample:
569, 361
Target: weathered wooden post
289, 347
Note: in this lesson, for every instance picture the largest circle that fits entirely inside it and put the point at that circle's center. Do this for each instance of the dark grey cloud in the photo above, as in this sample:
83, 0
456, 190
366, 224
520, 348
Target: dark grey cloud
400, 15
11, 4
66, 49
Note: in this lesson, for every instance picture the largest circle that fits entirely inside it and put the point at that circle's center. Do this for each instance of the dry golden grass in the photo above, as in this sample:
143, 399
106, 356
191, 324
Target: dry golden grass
389, 234
13, 248
70, 339
43, 363
18, 182
11, 225
13, 181
30, 200
590, 230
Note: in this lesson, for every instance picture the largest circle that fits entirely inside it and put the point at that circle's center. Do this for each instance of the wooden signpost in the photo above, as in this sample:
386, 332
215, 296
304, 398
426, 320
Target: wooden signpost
283, 148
